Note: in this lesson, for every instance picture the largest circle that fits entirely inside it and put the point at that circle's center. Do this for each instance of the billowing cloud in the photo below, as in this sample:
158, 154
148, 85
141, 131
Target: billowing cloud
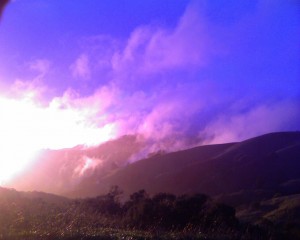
153, 50
265, 118
200, 81
184, 85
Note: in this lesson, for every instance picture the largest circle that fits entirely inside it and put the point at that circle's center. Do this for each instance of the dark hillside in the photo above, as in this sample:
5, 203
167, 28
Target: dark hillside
152, 173
269, 163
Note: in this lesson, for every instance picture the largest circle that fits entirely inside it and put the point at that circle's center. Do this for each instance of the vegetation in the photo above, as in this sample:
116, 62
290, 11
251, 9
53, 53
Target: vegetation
163, 216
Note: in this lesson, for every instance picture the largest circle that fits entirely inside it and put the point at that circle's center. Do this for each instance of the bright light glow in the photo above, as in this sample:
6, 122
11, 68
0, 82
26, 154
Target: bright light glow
26, 128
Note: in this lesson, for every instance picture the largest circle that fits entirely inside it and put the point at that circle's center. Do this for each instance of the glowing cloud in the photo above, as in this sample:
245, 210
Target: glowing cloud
26, 128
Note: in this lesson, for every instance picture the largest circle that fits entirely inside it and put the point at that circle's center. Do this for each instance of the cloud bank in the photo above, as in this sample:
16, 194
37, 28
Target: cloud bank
205, 80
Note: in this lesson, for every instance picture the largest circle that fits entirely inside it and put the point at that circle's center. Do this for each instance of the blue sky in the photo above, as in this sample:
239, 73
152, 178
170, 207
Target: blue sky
177, 72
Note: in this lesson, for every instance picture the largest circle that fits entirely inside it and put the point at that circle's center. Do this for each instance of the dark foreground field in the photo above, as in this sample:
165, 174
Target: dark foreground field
35, 215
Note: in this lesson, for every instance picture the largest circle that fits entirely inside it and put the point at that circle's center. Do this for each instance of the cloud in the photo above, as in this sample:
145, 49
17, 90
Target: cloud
28, 90
33, 86
86, 166
188, 84
41, 66
161, 119
152, 49
100, 49
261, 119
201, 81
81, 67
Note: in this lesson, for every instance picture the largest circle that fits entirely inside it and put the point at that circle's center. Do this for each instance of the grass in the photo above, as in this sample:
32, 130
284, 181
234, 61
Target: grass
112, 234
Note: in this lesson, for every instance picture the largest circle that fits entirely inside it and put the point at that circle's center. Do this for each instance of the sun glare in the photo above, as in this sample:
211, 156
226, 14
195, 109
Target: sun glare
25, 128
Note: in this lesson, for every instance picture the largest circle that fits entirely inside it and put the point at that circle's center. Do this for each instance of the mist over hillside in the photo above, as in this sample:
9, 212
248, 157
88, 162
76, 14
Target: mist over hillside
258, 178
268, 163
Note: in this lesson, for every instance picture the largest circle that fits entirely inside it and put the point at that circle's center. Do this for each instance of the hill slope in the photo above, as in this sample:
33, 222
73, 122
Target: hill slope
59, 171
269, 163
235, 172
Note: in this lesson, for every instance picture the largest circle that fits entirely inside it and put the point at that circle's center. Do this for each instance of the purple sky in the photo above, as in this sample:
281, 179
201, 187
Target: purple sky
177, 72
